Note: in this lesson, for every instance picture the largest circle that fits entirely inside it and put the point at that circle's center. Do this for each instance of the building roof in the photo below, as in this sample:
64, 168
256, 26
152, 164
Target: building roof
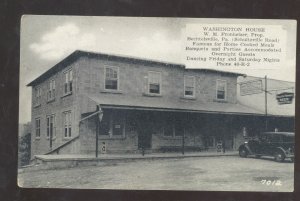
171, 104
79, 53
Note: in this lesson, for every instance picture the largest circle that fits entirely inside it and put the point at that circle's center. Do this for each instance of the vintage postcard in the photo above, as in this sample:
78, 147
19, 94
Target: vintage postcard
157, 103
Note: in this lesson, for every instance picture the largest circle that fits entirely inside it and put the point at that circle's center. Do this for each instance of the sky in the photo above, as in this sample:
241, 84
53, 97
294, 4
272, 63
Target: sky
45, 40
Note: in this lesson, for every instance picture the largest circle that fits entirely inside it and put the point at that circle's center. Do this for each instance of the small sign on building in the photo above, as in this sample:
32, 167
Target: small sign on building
285, 98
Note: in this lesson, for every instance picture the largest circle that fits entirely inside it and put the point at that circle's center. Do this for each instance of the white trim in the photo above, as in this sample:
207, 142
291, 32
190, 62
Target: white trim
194, 85
160, 83
118, 77
225, 97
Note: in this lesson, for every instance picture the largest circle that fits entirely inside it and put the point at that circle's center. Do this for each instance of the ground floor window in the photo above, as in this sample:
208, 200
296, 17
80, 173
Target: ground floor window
51, 127
112, 125
210, 141
173, 128
67, 124
38, 128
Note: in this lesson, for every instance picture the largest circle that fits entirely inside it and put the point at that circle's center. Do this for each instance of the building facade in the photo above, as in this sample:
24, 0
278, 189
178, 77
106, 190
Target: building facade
132, 104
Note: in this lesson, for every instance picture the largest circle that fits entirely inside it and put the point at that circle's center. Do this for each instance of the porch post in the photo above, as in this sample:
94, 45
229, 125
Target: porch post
100, 115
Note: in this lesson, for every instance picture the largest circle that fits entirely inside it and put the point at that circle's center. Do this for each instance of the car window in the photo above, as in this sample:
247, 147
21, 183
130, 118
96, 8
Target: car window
276, 138
288, 138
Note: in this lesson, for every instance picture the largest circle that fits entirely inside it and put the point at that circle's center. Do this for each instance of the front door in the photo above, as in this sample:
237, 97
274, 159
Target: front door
144, 134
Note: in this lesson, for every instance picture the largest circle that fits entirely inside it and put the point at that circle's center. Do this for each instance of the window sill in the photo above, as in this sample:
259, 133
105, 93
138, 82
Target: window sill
51, 100
188, 97
67, 94
67, 138
37, 105
152, 95
220, 101
111, 91
37, 138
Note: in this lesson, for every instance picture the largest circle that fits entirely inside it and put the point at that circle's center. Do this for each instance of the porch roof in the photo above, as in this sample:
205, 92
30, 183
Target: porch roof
176, 104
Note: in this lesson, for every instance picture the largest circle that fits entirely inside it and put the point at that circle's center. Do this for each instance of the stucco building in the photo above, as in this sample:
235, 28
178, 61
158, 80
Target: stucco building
136, 104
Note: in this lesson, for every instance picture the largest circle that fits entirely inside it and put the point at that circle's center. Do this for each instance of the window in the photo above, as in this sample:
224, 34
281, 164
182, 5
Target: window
38, 128
51, 90
210, 141
173, 129
111, 78
112, 125
51, 128
221, 89
68, 87
118, 125
154, 82
189, 86
38, 96
67, 124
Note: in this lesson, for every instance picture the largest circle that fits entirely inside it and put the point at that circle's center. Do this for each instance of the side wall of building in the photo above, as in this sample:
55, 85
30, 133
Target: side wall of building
60, 104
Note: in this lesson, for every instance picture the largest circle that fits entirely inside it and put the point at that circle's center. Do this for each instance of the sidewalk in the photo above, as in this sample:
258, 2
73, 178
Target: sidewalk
134, 156
42, 162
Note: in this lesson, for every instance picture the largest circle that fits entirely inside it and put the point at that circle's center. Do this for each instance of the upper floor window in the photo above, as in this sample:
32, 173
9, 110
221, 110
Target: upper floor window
38, 96
51, 126
189, 86
38, 128
67, 118
221, 89
154, 82
68, 87
51, 90
112, 78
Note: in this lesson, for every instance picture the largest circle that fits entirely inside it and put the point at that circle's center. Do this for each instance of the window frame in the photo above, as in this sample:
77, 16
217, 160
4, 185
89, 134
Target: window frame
225, 91
111, 128
51, 90
160, 82
173, 132
48, 118
67, 124
68, 82
118, 78
194, 86
38, 95
38, 128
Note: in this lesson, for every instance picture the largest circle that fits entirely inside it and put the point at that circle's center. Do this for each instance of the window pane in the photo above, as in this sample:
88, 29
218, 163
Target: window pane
154, 77
66, 77
70, 131
189, 91
220, 94
111, 84
70, 75
168, 130
179, 129
66, 132
189, 81
154, 88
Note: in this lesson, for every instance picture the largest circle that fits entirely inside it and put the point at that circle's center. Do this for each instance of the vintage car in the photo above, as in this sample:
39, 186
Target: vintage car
277, 144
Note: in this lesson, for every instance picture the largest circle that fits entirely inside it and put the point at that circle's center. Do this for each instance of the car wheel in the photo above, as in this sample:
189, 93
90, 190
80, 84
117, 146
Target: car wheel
279, 156
243, 153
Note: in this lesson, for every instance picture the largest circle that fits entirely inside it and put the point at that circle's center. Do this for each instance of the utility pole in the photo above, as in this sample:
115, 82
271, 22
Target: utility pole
266, 104
98, 120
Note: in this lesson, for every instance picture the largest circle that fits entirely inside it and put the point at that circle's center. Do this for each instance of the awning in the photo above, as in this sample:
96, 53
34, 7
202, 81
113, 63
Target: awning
122, 101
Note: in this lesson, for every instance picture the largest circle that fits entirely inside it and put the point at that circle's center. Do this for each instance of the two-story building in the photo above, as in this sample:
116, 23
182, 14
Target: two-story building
134, 104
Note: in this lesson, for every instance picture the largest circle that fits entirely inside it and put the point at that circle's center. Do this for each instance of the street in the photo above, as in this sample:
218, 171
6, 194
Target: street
230, 173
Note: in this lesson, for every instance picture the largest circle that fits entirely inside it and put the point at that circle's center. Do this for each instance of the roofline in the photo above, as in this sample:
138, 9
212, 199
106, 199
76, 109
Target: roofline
79, 53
